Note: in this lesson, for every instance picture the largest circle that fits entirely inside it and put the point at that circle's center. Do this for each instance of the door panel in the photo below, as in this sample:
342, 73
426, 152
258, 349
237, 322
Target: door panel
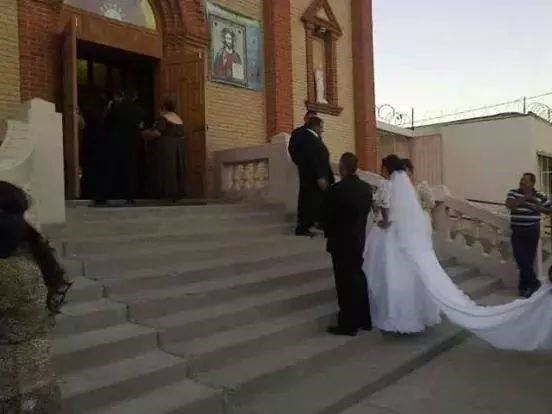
70, 116
184, 81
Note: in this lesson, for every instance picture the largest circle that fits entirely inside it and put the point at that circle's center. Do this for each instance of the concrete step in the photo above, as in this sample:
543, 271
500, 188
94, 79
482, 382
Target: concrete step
84, 247
84, 213
279, 365
208, 270
206, 320
122, 380
152, 303
81, 351
223, 348
188, 255
87, 316
377, 361
460, 273
84, 290
154, 225
217, 267
183, 397
189, 251
480, 286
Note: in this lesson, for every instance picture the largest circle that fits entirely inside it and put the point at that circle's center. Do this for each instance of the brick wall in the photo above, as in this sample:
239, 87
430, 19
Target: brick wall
278, 64
340, 130
9, 59
40, 49
235, 117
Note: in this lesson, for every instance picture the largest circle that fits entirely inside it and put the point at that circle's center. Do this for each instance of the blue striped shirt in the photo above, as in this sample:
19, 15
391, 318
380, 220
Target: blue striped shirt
527, 213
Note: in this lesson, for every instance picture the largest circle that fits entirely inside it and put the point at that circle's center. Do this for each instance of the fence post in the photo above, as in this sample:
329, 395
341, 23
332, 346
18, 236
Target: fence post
524, 104
412, 117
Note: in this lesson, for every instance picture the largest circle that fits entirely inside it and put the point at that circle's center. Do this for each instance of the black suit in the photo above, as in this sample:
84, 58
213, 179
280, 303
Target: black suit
346, 208
312, 158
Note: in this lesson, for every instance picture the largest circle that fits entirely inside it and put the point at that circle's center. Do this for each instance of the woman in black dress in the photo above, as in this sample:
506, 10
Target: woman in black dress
168, 178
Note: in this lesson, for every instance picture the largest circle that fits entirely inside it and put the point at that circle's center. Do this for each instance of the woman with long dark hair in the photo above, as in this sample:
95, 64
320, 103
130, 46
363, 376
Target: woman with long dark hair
32, 289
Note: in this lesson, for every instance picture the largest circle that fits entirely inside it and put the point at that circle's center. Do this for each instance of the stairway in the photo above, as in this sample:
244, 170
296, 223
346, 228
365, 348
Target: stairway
216, 309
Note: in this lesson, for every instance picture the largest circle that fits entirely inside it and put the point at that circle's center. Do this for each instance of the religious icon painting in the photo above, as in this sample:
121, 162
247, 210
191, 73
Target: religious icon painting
228, 51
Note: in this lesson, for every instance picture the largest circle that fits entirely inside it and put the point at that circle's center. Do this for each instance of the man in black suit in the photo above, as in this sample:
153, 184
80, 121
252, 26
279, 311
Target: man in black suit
346, 208
312, 158
294, 140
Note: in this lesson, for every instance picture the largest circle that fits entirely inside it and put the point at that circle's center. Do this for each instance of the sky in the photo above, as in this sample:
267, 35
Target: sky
443, 55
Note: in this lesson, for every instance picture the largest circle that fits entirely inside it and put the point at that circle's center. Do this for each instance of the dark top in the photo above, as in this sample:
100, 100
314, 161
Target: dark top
345, 213
168, 129
294, 142
310, 154
527, 214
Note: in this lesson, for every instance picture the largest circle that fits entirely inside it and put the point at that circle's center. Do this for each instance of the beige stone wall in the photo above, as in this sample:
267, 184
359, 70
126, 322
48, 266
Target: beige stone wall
9, 58
340, 130
235, 116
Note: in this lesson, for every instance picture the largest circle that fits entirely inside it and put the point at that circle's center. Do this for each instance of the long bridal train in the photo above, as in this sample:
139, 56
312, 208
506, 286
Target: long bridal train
523, 324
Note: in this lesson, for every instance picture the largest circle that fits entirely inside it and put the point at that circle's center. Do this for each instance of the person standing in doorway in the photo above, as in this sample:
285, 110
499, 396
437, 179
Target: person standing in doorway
345, 213
526, 206
132, 124
168, 179
315, 174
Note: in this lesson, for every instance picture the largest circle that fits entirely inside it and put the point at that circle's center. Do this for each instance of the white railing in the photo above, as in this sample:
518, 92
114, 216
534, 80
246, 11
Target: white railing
31, 157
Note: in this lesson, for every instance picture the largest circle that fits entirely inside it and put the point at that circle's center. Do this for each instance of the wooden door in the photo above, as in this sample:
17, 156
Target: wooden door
70, 115
184, 81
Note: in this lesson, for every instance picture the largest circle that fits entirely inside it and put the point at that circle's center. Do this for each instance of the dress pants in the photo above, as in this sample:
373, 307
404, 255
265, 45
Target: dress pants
525, 241
352, 291
309, 206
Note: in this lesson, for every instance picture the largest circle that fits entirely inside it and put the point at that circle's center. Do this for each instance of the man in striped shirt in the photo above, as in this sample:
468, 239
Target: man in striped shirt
526, 206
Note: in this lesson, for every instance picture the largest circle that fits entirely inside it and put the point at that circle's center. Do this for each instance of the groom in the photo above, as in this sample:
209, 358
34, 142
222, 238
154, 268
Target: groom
345, 213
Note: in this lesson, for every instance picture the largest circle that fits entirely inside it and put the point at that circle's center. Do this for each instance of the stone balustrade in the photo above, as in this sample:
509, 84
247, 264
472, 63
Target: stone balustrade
245, 180
259, 173
474, 235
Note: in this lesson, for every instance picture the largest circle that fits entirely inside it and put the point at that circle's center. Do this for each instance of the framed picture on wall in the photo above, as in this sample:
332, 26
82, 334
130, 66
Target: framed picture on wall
228, 51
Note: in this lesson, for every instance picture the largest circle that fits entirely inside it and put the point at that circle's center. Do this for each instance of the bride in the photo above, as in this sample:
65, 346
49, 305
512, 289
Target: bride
409, 289
398, 301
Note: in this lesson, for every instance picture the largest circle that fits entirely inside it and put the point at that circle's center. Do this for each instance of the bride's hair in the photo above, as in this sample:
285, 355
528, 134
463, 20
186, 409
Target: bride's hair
408, 164
393, 163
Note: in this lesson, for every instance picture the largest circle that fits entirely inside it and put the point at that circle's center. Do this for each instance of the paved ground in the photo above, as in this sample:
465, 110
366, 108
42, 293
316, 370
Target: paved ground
472, 378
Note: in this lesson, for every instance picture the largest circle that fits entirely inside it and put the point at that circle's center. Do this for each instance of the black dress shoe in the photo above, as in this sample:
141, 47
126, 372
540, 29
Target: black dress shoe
304, 233
337, 330
526, 293
366, 327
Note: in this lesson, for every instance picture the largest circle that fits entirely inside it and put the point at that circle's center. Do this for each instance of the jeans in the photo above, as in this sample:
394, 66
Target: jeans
525, 241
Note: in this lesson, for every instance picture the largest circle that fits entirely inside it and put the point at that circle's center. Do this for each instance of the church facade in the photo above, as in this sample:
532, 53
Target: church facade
240, 71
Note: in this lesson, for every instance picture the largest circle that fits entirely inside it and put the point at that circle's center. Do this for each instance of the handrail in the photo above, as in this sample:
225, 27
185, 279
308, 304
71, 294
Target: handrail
492, 203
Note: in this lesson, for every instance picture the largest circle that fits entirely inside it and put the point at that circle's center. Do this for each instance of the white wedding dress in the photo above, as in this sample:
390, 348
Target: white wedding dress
399, 302
406, 277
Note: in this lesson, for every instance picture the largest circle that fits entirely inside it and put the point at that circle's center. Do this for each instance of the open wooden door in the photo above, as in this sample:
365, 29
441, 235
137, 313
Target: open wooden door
70, 115
184, 81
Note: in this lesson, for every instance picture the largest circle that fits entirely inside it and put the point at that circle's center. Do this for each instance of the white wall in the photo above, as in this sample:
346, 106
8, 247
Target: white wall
483, 160
542, 133
31, 157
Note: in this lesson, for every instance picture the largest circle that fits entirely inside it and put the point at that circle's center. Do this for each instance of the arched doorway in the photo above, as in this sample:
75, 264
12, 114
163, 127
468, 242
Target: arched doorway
141, 45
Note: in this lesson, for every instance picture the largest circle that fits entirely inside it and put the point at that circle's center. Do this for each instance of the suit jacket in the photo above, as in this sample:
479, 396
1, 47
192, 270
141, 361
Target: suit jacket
311, 156
345, 213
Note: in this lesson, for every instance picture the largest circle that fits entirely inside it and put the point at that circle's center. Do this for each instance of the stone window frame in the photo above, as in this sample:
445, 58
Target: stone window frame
328, 31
